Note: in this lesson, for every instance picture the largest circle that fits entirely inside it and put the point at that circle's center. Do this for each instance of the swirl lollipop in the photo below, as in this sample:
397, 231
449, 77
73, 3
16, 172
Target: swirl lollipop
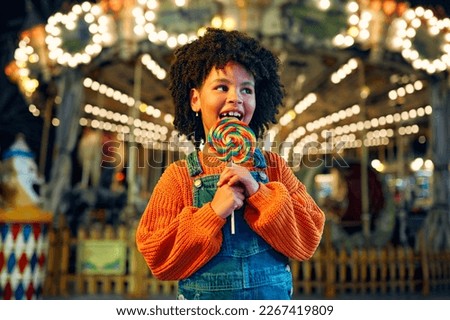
232, 140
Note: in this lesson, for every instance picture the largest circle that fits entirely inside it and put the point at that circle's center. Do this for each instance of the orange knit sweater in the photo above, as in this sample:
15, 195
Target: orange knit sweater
176, 238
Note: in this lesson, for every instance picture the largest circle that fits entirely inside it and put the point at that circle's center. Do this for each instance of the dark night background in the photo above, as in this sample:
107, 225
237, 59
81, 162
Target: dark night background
14, 115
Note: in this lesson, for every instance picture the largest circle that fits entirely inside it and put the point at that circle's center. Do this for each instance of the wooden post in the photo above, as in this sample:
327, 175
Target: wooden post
138, 269
373, 270
65, 255
53, 260
330, 258
401, 261
295, 270
382, 254
307, 278
342, 262
363, 264
318, 269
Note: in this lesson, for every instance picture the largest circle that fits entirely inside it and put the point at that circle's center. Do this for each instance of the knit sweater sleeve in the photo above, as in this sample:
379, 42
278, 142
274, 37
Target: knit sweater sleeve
284, 214
174, 237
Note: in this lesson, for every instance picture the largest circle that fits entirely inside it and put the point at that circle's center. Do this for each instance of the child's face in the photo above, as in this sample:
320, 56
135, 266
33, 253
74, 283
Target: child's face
225, 92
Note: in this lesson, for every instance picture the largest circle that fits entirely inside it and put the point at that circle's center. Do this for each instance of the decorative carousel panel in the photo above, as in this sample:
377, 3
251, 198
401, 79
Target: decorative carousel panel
23, 256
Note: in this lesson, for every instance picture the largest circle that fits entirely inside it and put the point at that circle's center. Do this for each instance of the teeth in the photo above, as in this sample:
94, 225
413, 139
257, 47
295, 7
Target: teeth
233, 114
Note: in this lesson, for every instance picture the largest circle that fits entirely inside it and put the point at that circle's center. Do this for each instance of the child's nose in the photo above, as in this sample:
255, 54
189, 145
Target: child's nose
234, 96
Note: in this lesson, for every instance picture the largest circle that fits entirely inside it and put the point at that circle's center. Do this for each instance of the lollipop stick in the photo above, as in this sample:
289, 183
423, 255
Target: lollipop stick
232, 214
232, 223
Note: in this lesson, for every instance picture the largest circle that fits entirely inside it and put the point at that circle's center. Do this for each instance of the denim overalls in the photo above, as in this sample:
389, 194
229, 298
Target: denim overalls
246, 267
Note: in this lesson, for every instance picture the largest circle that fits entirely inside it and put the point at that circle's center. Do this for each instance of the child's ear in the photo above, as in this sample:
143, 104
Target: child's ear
195, 100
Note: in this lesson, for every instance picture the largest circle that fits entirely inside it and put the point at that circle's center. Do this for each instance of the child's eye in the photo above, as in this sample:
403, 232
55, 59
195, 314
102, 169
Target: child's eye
247, 90
222, 88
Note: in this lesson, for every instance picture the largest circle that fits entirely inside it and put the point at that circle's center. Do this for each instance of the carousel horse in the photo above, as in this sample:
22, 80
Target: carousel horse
101, 190
89, 156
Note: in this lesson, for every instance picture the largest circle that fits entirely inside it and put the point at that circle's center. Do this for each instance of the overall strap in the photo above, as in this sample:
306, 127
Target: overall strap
193, 164
259, 160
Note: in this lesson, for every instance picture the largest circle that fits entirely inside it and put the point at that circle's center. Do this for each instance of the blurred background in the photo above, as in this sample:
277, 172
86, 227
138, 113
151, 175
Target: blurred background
86, 131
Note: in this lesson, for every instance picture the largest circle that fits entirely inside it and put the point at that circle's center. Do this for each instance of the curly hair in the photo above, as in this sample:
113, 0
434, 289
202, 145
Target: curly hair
215, 49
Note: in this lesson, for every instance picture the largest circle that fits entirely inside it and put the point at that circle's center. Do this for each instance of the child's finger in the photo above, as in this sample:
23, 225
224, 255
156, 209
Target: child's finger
224, 177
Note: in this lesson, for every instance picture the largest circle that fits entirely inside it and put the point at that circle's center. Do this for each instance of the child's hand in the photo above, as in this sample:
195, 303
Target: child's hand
236, 175
227, 199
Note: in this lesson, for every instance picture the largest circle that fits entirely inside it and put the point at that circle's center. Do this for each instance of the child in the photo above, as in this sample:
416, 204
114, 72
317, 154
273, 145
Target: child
184, 233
